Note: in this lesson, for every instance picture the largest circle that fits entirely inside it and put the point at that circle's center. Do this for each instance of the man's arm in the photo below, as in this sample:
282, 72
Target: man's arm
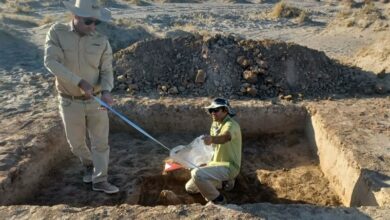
106, 74
54, 57
220, 139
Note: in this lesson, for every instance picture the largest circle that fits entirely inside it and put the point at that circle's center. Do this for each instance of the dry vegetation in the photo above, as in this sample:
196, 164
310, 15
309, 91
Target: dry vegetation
124, 22
46, 20
364, 16
283, 10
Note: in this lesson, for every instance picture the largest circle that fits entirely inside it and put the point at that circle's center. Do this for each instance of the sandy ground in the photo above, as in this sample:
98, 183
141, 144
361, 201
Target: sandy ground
28, 101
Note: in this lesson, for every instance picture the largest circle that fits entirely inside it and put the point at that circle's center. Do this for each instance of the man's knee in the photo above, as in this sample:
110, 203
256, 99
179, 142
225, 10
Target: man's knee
196, 175
191, 187
100, 146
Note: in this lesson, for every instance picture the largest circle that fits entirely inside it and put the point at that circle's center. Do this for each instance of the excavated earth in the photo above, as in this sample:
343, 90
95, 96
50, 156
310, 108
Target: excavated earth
198, 66
316, 137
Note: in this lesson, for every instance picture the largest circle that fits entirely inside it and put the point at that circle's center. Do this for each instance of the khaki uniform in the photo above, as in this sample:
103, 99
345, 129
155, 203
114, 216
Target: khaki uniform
71, 57
225, 165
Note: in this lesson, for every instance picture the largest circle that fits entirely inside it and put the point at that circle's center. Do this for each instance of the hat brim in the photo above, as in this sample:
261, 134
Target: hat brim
213, 105
231, 112
104, 14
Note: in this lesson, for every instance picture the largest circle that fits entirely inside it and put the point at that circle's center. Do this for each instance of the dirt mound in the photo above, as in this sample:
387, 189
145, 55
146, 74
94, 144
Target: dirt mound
225, 66
121, 36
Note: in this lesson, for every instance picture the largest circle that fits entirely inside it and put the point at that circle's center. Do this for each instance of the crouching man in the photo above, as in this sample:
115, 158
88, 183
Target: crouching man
220, 173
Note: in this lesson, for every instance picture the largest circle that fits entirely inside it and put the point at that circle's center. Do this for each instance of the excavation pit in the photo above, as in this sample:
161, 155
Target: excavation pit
275, 169
289, 156
280, 162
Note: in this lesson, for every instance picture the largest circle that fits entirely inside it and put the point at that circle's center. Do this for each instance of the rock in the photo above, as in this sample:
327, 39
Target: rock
168, 197
262, 71
256, 52
246, 85
244, 63
133, 87
121, 78
263, 64
250, 76
380, 88
122, 86
287, 97
251, 91
164, 88
200, 76
173, 91
258, 61
269, 80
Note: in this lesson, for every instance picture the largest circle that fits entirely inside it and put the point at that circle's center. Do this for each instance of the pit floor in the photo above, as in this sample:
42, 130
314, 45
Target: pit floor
275, 169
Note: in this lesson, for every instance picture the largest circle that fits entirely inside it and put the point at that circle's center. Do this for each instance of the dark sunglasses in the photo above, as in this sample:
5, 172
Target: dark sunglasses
89, 21
211, 110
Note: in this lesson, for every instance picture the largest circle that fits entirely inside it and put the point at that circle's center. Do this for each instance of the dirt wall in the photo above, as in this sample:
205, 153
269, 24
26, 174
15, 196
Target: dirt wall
189, 116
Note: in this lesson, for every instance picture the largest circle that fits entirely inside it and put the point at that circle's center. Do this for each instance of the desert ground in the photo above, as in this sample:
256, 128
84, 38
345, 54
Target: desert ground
310, 80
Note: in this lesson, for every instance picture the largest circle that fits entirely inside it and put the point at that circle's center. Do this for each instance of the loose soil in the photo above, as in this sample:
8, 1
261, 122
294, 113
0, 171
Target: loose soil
275, 169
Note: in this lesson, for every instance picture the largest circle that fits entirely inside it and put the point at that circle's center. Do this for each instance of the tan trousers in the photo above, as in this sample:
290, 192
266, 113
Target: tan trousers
78, 117
207, 180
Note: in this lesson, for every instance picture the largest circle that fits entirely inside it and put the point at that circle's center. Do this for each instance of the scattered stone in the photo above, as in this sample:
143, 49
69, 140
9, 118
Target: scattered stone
133, 87
164, 88
380, 88
263, 64
121, 78
122, 86
200, 76
288, 97
304, 70
251, 91
250, 76
173, 90
244, 63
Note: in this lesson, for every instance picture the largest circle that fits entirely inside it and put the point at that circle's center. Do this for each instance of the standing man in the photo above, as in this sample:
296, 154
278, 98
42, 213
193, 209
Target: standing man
81, 60
225, 137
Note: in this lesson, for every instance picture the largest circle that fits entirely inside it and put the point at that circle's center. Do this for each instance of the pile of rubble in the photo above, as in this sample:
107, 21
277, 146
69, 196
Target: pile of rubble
194, 65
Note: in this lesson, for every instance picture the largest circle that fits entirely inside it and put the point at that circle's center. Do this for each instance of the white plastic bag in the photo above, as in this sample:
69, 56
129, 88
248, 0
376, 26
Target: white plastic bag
196, 153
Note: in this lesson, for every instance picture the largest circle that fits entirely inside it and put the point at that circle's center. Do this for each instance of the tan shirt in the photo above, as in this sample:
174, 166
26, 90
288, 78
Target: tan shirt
71, 57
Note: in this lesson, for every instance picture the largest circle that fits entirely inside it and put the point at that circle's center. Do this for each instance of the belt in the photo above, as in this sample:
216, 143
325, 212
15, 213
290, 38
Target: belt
83, 98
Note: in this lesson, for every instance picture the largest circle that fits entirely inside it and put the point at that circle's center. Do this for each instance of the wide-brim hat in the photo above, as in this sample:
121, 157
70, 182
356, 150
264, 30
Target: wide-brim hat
89, 9
221, 102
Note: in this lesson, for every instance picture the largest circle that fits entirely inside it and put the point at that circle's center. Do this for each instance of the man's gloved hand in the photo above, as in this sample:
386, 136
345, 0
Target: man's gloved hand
87, 88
